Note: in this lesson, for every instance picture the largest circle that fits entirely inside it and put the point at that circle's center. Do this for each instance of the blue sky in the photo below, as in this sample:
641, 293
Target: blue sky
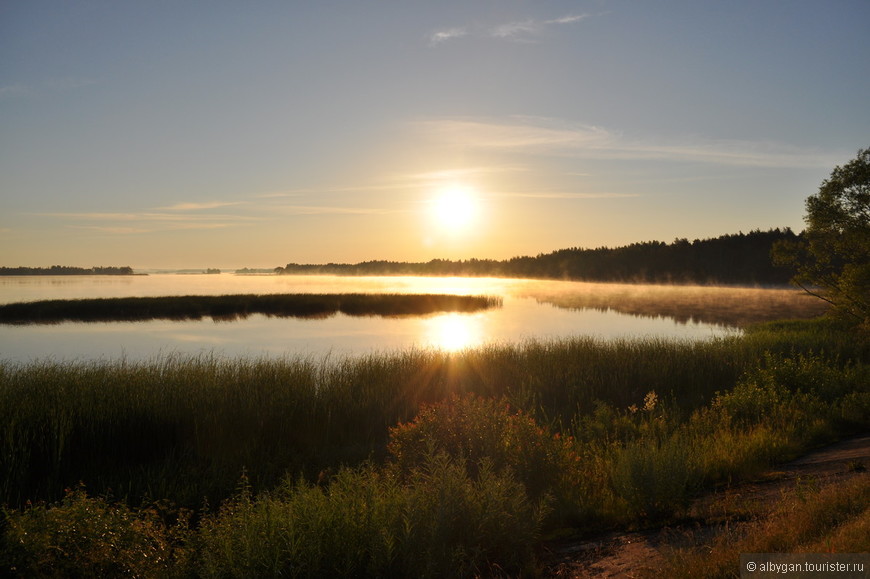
230, 134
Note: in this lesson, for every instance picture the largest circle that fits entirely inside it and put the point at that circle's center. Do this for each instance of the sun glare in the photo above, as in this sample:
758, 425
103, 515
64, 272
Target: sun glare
455, 208
453, 332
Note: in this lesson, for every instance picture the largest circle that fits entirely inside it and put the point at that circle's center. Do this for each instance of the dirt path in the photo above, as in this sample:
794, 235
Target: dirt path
637, 554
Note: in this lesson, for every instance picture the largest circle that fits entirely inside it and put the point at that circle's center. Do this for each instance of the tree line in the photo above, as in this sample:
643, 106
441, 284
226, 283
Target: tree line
66, 270
742, 258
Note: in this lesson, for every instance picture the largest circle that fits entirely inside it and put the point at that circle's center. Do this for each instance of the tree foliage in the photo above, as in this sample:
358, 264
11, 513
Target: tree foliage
742, 258
832, 257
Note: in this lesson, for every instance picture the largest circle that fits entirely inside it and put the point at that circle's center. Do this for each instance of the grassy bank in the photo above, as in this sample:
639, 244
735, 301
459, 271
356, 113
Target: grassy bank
417, 462
835, 519
230, 307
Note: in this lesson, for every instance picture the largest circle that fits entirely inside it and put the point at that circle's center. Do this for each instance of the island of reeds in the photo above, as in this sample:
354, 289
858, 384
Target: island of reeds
232, 307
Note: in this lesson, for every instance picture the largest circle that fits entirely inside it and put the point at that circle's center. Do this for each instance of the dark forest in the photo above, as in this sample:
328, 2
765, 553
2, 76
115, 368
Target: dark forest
742, 258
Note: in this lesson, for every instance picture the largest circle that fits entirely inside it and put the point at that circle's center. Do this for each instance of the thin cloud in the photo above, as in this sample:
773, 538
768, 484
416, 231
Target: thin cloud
331, 210
536, 135
570, 19
199, 206
324, 190
515, 30
145, 216
460, 174
112, 230
516, 133
119, 223
566, 195
529, 30
441, 36
174, 226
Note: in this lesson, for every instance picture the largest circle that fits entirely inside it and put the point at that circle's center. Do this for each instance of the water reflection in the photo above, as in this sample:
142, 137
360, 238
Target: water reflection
453, 332
726, 306
533, 309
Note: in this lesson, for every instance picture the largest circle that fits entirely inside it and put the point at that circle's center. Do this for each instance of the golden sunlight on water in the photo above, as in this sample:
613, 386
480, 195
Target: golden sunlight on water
531, 309
453, 332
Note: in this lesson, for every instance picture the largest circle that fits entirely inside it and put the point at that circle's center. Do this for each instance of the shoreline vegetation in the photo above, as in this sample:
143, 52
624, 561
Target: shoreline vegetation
736, 259
235, 307
412, 463
67, 270
742, 259
735, 307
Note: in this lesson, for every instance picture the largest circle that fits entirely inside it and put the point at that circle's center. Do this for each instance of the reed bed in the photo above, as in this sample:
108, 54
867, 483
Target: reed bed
232, 307
531, 437
126, 426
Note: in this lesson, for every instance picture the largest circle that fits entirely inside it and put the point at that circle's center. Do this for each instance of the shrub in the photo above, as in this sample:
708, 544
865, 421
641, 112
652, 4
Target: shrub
655, 478
440, 522
90, 537
475, 428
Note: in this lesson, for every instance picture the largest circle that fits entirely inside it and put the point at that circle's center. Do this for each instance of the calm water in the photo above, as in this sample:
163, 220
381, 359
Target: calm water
532, 310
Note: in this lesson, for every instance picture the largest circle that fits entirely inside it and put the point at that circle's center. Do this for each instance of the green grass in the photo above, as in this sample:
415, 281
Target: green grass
231, 307
526, 438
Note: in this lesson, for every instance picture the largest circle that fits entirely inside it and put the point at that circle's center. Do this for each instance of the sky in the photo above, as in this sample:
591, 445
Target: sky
260, 133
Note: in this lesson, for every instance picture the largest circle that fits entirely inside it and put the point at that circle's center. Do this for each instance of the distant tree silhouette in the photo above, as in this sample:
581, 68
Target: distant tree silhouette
66, 270
730, 259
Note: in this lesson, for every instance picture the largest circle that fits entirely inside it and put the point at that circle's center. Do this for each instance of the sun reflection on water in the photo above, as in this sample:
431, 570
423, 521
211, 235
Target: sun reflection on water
453, 332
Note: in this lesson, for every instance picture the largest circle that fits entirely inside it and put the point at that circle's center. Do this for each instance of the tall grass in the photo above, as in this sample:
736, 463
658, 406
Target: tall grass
427, 462
183, 428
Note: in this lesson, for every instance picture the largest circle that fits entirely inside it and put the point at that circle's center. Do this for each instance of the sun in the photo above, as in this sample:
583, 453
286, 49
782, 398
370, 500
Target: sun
453, 332
455, 208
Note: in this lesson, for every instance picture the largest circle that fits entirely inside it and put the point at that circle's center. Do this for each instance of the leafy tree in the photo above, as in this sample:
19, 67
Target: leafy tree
832, 256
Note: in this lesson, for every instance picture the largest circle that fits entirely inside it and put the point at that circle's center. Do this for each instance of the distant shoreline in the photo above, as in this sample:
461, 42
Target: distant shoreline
67, 270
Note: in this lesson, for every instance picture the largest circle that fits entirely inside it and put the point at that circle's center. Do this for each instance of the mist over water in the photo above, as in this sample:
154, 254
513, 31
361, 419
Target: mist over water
532, 309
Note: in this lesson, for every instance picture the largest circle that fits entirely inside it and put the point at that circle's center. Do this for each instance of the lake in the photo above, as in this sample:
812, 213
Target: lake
532, 309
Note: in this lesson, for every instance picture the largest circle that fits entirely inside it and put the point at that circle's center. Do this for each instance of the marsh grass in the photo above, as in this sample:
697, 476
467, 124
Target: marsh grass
233, 307
730, 306
440, 462
184, 427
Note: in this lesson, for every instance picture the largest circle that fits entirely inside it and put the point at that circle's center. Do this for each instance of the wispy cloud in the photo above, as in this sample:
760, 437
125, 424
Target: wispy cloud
440, 36
199, 206
144, 216
570, 19
330, 210
547, 136
529, 30
515, 133
301, 192
460, 174
567, 195
112, 229
126, 223
517, 29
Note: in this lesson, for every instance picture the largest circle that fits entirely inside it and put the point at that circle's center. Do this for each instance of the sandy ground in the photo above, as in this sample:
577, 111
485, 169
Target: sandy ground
637, 554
